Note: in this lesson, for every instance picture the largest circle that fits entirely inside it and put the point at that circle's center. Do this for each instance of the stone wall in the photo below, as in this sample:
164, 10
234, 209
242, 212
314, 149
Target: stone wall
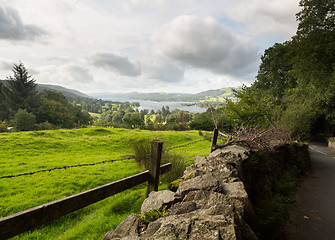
217, 202
331, 145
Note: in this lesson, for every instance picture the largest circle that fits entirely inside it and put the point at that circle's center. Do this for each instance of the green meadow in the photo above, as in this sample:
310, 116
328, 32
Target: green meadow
37, 150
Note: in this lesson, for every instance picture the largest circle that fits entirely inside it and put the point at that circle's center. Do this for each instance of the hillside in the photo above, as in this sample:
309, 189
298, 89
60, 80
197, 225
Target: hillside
70, 94
169, 97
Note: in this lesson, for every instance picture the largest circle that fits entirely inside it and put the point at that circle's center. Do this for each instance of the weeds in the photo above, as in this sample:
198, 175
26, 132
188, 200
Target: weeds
152, 215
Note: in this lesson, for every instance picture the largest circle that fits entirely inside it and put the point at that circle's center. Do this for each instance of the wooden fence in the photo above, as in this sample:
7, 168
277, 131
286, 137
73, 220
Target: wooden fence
15, 224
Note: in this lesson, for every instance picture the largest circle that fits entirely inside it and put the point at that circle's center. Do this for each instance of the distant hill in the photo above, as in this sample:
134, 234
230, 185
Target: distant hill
170, 97
70, 94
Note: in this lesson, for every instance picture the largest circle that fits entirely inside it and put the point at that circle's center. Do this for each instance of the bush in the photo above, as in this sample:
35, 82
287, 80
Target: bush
3, 127
141, 152
46, 126
24, 121
178, 166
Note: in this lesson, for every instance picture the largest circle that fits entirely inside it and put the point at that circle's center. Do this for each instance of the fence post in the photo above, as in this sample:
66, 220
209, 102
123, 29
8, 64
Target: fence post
215, 138
154, 165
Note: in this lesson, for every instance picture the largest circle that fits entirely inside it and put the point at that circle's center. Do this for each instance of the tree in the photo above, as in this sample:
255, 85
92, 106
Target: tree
55, 109
24, 121
275, 71
20, 90
4, 113
254, 107
202, 121
315, 43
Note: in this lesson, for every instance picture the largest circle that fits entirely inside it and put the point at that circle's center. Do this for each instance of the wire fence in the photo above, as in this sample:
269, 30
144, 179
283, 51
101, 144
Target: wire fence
96, 163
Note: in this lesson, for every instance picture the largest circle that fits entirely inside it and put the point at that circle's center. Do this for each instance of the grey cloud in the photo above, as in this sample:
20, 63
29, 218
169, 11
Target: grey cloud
204, 43
5, 65
162, 71
79, 74
116, 63
12, 28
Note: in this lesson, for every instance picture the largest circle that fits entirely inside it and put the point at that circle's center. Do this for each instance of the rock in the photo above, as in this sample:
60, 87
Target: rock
191, 227
157, 200
126, 230
235, 190
205, 182
229, 152
200, 161
181, 208
211, 204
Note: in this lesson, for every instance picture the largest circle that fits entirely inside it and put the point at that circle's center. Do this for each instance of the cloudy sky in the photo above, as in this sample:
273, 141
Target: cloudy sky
142, 45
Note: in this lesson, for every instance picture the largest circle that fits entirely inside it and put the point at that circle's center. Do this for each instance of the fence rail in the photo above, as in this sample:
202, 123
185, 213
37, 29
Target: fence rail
15, 224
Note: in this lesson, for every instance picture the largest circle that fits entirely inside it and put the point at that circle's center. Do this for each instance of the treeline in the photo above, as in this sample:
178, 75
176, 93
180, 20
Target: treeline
162, 119
295, 85
22, 107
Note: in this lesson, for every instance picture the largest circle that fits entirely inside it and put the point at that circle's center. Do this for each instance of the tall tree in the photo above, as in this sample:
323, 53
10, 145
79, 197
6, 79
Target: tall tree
20, 90
4, 114
315, 43
275, 71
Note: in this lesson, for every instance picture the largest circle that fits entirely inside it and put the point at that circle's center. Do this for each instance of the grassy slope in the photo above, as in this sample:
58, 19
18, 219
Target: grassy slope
31, 151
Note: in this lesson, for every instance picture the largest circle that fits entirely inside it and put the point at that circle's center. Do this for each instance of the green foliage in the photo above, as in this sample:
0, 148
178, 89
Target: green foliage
3, 126
300, 73
24, 121
141, 152
152, 215
46, 126
19, 91
173, 186
202, 121
275, 71
254, 107
56, 110
179, 164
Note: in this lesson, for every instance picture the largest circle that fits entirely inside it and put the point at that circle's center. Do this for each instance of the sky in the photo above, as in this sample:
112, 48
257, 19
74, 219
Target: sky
119, 46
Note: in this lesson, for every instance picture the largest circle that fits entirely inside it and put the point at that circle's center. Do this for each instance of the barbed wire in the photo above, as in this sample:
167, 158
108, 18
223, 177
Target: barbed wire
187, 144
96, 163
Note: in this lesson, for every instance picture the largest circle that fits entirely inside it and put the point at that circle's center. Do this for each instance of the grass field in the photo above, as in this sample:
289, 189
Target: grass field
31, 151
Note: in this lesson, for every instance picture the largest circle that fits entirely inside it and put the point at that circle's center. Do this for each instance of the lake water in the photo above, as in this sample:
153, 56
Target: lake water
151, 105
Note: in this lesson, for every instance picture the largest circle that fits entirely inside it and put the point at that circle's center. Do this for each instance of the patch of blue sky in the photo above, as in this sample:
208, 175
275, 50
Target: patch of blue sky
232, 26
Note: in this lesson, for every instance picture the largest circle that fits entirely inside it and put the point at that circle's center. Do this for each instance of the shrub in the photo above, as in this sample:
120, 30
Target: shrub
178, 166
46, 126
152, 215
3, 127
141, 152
24, 121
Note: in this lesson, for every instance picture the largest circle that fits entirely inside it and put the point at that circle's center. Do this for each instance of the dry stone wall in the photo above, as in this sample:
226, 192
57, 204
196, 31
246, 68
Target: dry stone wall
213, 204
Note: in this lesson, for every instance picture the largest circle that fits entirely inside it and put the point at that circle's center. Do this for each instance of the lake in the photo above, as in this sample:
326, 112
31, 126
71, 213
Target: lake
151, 105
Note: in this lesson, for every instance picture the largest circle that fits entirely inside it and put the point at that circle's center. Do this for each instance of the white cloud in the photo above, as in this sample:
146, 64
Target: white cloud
264, 16
204, 43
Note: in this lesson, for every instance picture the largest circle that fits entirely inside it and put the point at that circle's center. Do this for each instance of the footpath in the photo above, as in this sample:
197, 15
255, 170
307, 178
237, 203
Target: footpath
314, 215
